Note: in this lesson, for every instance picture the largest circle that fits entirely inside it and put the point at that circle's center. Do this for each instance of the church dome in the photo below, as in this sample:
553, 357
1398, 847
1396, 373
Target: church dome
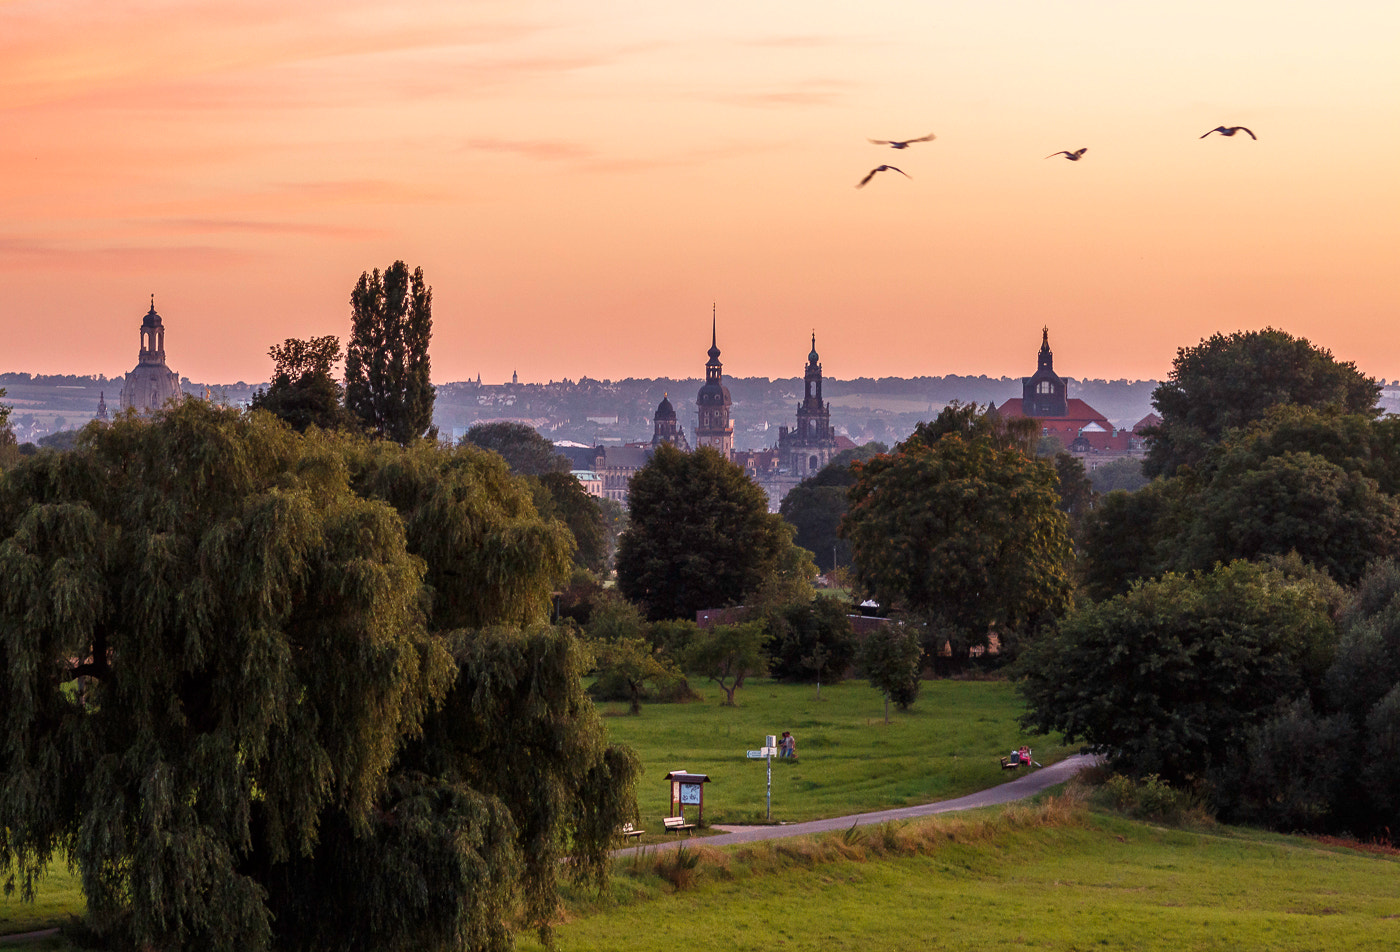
664, 410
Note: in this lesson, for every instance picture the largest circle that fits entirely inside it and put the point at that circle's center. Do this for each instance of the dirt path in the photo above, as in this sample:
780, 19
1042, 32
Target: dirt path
1018, 789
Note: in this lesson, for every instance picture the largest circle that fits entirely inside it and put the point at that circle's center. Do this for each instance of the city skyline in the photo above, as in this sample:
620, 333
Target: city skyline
581, 185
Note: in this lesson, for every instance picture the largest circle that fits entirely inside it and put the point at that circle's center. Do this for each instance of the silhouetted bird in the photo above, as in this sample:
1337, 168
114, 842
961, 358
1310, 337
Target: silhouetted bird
1231, 130
1072, 156
902, 143
882, 168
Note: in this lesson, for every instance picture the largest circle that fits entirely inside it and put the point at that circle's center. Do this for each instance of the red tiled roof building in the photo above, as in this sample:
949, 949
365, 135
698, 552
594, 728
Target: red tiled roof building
1082, 429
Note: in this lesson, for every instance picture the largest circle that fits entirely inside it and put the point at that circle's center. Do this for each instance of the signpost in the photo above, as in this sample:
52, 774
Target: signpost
766, 752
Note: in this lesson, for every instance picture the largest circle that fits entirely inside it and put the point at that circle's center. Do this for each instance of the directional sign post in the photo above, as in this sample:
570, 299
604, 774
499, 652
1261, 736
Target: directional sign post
766, 752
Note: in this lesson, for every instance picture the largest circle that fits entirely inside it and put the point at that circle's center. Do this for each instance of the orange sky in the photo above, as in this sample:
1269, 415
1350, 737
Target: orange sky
580, 181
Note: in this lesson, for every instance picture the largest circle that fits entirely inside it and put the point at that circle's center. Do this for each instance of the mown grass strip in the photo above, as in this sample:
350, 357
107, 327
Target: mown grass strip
1054, 876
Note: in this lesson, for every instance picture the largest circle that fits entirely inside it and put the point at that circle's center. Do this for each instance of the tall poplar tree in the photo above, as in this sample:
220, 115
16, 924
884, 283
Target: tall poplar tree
387, 383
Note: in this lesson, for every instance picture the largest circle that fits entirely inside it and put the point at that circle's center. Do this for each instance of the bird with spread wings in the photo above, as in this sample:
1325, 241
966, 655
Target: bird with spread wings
1231, 130
902, 143
882, 168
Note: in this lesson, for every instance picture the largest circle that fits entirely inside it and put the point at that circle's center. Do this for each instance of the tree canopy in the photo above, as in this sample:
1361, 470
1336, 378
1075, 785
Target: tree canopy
727, 654
816, 506
250, 676
1297, 480
303, 391
699, 535
1229, 381
1167, 678
964, 531
387, 382
891, 657
525, 451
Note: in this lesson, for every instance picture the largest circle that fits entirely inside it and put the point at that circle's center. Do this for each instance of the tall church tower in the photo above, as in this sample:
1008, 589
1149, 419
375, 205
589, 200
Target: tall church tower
713, 402
151, 384
811, 445
1044, 395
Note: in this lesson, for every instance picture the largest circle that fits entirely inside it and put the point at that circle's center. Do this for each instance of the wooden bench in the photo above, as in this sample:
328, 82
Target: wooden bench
674, 824
629, 832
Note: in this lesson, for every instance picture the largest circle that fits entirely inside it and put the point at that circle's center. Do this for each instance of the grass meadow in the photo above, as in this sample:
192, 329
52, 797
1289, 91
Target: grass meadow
1050, 876
848, 759
59, 899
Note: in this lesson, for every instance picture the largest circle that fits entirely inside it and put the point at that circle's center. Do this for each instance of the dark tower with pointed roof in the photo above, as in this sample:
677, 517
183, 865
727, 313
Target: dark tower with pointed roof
151, 384
668, 427
1044, 395
811, 445
715, 429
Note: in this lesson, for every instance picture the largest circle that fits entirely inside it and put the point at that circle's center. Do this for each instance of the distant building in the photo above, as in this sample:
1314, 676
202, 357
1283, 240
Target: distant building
713, 402
805, 450
667, 428
101, 406
151, 384
614, 467
1085, 432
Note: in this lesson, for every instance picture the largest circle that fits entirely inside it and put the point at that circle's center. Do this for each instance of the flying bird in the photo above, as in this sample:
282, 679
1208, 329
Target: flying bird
1072, 156
1231, 130
882, 168
902, 143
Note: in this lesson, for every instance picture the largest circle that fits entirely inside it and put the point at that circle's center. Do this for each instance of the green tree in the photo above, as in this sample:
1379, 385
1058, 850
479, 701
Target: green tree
202, 610
974, 424
1167, 678
1131, 536
525, 451
1125, 474
1296, 502
699, 535
962, 533
387, 382
1299, 480
1229, 381
810, 640
561, 496
891, 657
303, 392
281, 707
1077, 496
558, 495
815, 506
727, 654
9, 446
632, 663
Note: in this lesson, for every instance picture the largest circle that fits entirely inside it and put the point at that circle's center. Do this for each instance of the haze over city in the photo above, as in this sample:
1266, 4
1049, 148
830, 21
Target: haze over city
581, 183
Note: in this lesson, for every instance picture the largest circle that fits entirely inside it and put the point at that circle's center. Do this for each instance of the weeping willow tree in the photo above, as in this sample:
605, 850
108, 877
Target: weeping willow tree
248, 688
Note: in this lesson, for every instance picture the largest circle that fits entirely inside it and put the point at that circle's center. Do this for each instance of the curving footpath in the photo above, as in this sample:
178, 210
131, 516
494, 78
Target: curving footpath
1018, 789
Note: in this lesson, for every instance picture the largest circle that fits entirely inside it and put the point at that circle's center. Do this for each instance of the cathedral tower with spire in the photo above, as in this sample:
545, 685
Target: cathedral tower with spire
151, 384
715, 429
809, 447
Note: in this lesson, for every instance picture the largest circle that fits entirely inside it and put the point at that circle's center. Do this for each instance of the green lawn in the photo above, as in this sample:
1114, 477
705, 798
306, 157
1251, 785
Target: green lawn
849, 760
1100, 882
60, 897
